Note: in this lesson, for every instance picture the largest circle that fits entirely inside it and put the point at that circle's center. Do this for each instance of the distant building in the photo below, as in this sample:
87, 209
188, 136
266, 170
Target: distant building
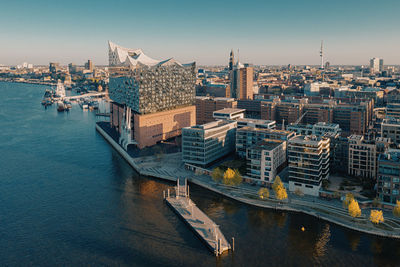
249, 136
312, 89
265, 158
390, 128
376, 65
89, 65
157, 97
203, 144
362, 157
54, 67
308, 158
388, 180
205, 107
231, 60
242, 81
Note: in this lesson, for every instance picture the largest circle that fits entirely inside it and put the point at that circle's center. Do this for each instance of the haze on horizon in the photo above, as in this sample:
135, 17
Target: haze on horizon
266, 32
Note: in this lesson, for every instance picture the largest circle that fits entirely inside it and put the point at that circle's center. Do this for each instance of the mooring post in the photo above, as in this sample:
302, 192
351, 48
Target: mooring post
233, 244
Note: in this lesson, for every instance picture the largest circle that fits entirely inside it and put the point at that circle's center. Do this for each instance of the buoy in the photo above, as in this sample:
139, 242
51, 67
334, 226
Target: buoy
303, 229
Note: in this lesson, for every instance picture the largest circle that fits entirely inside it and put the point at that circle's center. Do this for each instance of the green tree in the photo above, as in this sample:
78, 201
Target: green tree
217, 174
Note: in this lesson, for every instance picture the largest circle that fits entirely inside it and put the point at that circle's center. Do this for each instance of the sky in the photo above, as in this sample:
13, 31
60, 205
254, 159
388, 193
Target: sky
278, 32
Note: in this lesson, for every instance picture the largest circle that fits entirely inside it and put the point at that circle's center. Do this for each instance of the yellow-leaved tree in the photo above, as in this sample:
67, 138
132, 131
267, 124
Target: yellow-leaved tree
348, 199
217, 174
263, 193
279, 189
376, 216
396, 210
232, 177
354, 209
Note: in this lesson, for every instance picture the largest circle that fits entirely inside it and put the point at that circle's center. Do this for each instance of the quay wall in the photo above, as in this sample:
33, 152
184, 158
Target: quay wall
282, 207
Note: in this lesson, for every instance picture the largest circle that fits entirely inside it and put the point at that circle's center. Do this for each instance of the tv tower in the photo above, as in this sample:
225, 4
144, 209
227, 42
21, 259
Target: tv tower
321, 54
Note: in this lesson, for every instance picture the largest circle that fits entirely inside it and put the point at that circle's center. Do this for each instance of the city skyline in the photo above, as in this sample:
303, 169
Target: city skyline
267, 33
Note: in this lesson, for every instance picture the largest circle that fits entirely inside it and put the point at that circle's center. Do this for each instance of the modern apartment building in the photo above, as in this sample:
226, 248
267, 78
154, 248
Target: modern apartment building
265, 158
362, 157
388, 180
205, 107
157, 96
376, 65
246, 137
318, 129
390, 128
308, 158
203, 144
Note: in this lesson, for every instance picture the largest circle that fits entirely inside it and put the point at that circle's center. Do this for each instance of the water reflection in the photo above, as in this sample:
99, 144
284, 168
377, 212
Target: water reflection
321, 244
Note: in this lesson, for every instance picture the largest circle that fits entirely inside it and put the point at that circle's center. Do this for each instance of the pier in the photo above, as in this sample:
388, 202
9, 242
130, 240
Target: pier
199, 222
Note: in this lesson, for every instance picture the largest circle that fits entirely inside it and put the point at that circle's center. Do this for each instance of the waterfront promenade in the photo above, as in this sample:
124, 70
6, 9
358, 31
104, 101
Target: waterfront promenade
170, 167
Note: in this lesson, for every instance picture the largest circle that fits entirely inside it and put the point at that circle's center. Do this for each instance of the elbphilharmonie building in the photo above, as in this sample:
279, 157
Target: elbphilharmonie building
159, 94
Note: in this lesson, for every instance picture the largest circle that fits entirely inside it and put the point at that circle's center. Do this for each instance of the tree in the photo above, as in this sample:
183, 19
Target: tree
217, 174
277, 183
281, 193
376, 216
263, 193
279, 189
354, 209
232, 177
396, 210
348, 199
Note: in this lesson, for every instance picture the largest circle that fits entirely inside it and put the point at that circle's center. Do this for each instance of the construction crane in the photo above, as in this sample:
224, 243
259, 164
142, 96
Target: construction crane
300, 118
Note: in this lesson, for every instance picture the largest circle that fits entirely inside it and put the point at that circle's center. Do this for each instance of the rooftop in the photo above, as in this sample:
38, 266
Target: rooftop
267, 144
249, 128
307, 140
229, 110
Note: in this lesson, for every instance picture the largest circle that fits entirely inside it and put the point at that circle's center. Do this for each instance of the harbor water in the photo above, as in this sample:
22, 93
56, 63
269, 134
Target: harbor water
68, 199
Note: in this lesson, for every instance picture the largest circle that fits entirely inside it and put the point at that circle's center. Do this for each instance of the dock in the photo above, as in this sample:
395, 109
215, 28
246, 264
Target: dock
200, 223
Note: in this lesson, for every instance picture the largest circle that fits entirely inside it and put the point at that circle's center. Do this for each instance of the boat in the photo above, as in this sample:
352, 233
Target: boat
60, 106
67, 105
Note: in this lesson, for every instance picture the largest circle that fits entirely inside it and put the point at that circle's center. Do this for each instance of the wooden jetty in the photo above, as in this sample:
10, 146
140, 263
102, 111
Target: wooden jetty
199, 222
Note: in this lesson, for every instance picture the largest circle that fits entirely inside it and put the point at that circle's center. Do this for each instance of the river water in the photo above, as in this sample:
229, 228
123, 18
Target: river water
68, 199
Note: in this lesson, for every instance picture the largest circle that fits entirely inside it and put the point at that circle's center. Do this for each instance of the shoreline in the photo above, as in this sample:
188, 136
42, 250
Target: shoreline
247, 201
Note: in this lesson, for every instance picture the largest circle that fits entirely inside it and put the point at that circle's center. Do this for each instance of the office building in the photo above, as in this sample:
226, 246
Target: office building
205, 107
388, 180
308, 158
249, 136
265, 158
390, 128
242, 81
362, 157
54, 67
313, 89
229, 114
203, 144
261, 124
89, 65
393, 110
157, 97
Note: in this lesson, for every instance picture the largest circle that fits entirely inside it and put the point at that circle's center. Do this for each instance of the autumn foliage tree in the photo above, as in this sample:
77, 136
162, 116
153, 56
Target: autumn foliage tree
263, 193
232, 177
376, 216
217, 174
279, 189
348, 199
354, 209
396, 210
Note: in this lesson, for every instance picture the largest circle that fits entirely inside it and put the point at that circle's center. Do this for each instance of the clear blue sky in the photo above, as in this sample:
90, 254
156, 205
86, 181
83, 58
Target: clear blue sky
266, 32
